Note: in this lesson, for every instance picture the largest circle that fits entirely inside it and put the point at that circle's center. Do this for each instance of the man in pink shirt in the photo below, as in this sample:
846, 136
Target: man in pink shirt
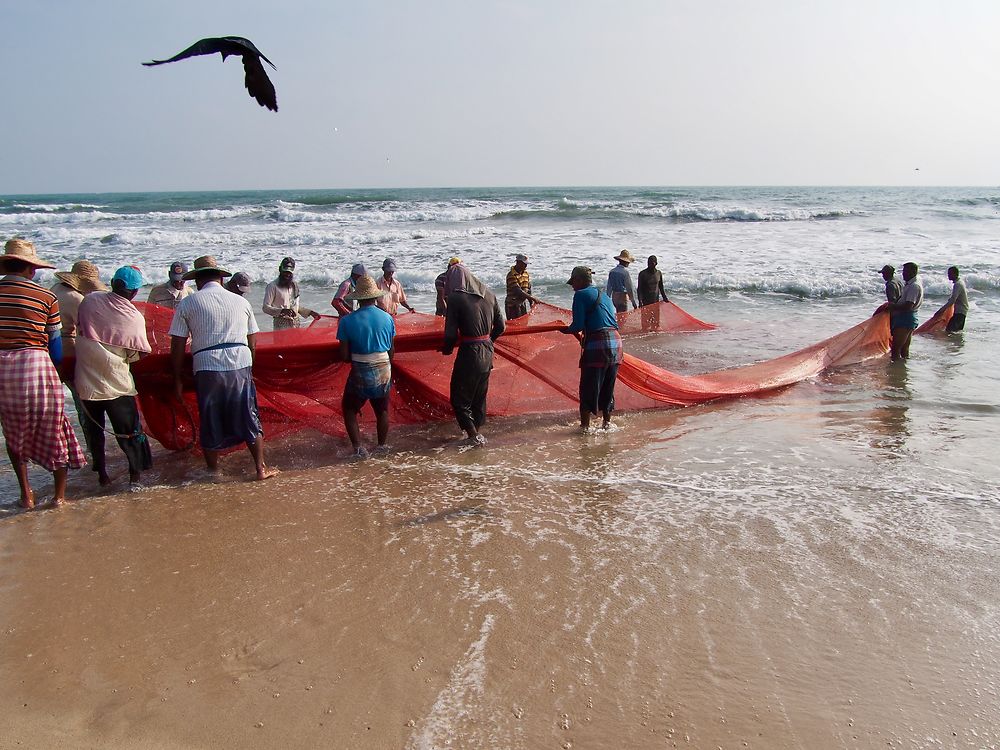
394, 295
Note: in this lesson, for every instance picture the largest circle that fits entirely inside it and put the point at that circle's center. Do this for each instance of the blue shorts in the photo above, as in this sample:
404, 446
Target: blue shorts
903, 320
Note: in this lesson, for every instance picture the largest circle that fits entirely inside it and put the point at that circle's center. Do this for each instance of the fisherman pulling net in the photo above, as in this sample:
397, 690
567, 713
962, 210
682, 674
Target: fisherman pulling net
300, 378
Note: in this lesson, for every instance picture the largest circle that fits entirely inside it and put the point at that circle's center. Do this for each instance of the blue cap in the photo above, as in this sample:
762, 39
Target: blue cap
130, 276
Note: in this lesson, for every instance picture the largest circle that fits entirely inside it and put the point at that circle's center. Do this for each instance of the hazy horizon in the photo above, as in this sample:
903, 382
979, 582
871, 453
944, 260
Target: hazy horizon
503, 93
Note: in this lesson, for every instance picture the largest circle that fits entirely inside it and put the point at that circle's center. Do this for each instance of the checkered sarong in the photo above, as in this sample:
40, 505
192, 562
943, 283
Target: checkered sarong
33, 411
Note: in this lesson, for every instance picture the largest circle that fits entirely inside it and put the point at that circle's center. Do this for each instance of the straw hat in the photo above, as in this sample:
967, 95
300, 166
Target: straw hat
84, 277
626, 256
205, 263
365, 288
18, 249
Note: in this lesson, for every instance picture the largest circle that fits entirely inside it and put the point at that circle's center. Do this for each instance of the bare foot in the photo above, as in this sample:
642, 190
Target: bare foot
266, 473
103, 479
28, 501
56, 501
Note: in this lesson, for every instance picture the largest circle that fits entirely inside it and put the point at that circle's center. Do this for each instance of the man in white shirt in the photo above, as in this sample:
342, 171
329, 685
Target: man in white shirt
281, 298
173, 291
903, 314
960, 299
222, 330
111, 335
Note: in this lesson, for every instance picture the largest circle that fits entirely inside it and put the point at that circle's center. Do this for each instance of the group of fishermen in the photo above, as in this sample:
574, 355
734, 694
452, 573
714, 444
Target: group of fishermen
104, 333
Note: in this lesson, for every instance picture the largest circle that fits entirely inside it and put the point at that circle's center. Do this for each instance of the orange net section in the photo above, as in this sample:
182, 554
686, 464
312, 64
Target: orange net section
300, 379
937, 322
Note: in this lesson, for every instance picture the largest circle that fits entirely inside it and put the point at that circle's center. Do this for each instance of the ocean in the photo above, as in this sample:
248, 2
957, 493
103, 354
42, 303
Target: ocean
814, 567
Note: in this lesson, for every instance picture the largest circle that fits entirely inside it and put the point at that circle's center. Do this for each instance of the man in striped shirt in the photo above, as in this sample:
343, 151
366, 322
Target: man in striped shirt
222, 328
32, 404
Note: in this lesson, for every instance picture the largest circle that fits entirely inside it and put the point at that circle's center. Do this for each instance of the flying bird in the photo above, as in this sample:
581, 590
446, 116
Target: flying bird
257, 82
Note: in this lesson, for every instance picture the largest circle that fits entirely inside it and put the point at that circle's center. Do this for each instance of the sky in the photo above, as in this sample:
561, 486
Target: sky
460, 93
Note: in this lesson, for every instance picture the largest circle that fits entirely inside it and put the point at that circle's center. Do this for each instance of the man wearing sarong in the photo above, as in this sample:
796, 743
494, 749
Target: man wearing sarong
959, 298
281, 298
395, 295
366, 341
222, 330
32, 404
650, 289
619, 286
173, 291
903, 313
112, 335
594, 317
518, 301
473, 322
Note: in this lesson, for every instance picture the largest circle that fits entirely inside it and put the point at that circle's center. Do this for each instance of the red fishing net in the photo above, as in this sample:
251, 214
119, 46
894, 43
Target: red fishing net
300, 379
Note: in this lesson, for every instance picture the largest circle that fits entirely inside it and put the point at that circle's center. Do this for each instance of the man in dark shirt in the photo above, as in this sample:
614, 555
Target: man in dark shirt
473, 322
893, 286
650, 287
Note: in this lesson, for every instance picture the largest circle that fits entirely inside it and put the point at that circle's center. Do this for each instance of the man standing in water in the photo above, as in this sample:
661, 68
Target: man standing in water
650, 288
519, 300
32, 404
281, 298
473, 322
394, 294
893, 286
222, 328
594, 317
366, 341
173, 291
959, 298
112, 334
903, 313
620, 283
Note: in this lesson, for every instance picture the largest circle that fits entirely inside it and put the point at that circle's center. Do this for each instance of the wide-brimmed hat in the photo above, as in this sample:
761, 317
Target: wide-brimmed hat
18, 249
365, 288
626, 256
581, 272
84, 277
203, 264
888, 268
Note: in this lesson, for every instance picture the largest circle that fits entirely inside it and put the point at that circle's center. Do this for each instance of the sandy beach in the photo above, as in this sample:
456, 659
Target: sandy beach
666, 584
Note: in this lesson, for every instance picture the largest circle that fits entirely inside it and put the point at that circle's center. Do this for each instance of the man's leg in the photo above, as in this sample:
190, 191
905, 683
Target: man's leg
461, 399
92, 419
479, 399
350, 407
124, 417
27, 499
256, 449
904, 342
606, 398
381, 408
895, 343
59, 489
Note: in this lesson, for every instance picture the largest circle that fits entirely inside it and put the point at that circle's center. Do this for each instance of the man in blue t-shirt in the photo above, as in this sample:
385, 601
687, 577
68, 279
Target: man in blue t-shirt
366, 341
594, 317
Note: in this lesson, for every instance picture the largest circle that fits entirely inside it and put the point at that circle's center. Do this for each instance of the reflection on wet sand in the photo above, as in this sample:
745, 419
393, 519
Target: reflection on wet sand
628, 589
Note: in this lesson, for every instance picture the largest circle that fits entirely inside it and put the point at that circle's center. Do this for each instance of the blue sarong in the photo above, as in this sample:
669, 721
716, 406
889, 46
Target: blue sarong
227, 403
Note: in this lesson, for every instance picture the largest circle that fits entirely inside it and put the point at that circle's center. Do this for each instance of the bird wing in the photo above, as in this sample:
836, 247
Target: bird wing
258, 84
208, 46
240, 46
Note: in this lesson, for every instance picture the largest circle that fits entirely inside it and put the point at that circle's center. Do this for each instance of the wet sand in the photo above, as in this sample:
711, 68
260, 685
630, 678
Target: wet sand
674, 583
